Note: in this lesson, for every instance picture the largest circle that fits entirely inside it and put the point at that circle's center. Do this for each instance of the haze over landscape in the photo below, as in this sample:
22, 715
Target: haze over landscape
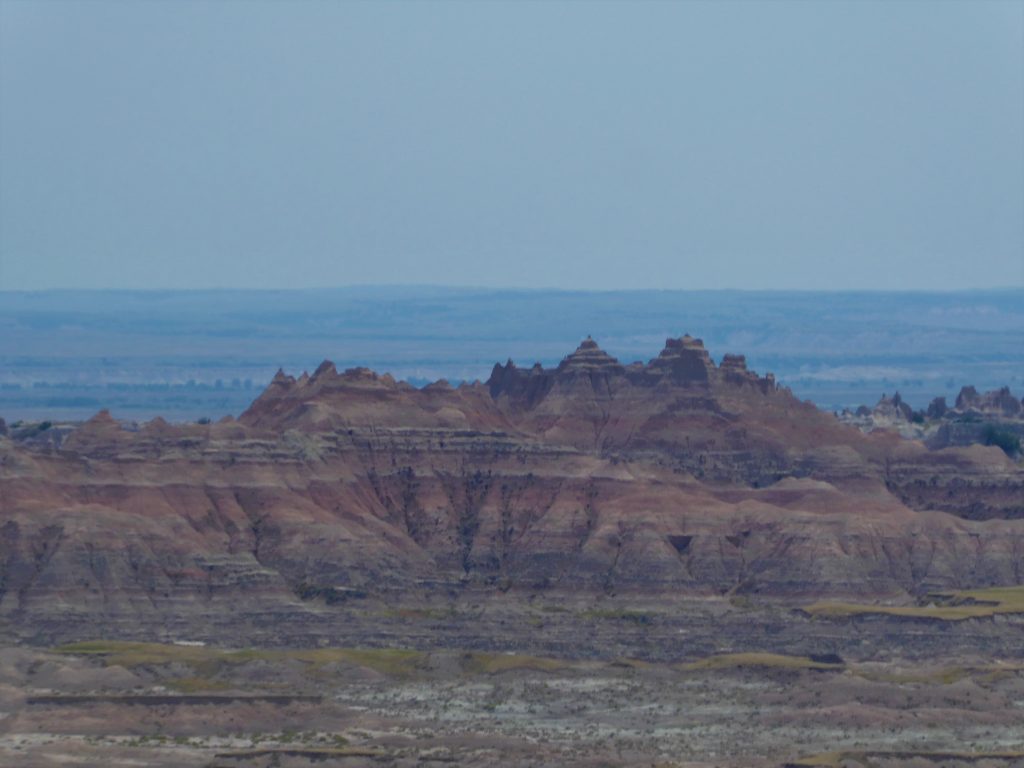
512, 384
189, 355
781, 145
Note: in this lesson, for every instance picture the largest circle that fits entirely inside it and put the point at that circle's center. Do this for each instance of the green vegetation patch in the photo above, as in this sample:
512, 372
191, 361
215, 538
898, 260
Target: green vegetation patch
1002, 438
397, 662
196, 684
772, 660
943, 606
208, 666
435, 614
636, 617
496, 663
941, 675
944, 676
208, 662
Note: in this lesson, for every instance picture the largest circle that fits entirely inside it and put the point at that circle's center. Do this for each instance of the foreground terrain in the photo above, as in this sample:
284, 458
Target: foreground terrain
117, 703
672, 563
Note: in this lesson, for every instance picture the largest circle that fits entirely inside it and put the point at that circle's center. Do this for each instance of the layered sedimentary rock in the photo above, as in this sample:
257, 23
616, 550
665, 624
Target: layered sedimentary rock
990, 418
677, 476
999, 402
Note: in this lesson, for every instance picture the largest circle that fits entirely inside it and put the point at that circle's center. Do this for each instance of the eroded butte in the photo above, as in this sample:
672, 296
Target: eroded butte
671, 563
677, 478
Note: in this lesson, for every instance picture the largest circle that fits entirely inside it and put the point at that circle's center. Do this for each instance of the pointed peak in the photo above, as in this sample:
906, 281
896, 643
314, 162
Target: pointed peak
102, 417
734, 362
684, 345
281, 379
100, 424
588, 355
360, 373
685, 359
967, 397
325, 369
684, 342
441, 385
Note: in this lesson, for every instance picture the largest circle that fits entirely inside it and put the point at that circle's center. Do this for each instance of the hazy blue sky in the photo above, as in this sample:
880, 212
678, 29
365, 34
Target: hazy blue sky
581, 144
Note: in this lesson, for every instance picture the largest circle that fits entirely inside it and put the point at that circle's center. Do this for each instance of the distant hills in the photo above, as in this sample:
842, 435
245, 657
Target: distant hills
185, 355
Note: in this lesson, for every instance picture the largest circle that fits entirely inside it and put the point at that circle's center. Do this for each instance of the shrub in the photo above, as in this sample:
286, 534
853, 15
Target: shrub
1002, 438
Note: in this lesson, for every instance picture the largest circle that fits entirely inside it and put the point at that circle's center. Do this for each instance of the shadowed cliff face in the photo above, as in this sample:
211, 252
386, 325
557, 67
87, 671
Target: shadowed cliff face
677, 476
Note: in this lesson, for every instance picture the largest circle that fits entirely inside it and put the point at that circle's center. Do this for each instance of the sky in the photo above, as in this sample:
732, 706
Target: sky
589, 145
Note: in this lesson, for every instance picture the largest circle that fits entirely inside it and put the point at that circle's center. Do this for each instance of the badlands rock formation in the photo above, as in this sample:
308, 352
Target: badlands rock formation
678, 476
993, 418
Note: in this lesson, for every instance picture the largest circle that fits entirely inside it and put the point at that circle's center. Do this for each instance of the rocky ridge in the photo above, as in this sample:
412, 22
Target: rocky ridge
678, 476
990, 418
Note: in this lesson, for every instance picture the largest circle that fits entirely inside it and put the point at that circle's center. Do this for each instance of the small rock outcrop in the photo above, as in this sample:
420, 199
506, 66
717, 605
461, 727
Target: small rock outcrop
685, 360
990, 418
893, 408
589, 357
998, 402
937, 408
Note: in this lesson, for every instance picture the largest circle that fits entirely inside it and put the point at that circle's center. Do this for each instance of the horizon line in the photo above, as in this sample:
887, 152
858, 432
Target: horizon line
503, 289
